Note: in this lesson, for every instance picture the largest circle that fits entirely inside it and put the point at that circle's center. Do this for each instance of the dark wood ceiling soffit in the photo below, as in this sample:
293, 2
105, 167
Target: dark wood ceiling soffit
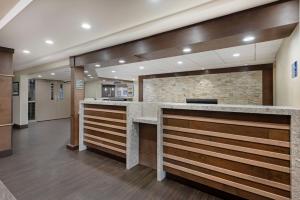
268, 22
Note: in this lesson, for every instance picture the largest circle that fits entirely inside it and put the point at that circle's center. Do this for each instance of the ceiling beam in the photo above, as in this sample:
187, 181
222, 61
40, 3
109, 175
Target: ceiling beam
268, 22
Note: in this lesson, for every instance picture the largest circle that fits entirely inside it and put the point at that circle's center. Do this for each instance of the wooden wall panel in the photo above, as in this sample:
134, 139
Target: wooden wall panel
148, 145
5, 138
247, 155
6, 75
105, 129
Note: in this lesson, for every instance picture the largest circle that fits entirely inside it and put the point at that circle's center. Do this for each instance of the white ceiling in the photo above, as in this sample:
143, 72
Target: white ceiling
62, 74
259, 53
112, 21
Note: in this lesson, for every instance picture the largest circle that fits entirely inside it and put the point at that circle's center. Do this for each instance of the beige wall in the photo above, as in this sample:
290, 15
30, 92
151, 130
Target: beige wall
287, 89
47, 109
93, 89
228, 88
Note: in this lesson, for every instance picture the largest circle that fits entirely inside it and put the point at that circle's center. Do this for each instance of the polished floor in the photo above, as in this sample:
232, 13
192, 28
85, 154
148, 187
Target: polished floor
43, 169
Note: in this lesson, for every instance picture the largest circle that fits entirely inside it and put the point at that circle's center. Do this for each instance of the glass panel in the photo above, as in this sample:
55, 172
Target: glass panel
31, 90
31, 111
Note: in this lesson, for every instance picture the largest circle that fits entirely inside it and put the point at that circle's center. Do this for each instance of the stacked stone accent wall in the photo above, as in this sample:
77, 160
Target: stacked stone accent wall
229, 88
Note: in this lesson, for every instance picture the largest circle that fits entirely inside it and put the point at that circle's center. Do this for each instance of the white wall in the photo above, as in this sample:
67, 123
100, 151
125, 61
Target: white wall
287, 89
20, 103
47, 109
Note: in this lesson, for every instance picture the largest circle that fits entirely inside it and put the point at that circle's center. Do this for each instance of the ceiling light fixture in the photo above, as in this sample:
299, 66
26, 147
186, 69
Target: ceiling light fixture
236, 55
49, 42
52, 74
97, 65
86, 26
40, 76
249, 38
142, 67
113, 71
187, 50
26, 51
122, 61
86, 71
179, 62
89, 75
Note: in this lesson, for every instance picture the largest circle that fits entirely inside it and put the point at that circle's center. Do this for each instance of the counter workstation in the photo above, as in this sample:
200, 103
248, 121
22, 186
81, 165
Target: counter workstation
248, 151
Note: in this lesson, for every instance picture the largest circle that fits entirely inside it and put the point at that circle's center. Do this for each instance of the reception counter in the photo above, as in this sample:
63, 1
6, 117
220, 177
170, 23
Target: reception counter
248, 151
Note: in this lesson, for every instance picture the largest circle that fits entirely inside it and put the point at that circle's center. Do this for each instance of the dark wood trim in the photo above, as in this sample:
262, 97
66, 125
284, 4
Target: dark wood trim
72, 147
267, 70
6, 153
267, 22
7, 50
17, 126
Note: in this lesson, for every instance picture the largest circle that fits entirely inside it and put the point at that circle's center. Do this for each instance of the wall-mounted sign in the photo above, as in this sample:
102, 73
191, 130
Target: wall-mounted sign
295, 69
16, 89
79, 84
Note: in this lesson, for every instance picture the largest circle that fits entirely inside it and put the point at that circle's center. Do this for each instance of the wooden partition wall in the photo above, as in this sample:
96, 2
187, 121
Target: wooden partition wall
6, 75
105, 128
247, 155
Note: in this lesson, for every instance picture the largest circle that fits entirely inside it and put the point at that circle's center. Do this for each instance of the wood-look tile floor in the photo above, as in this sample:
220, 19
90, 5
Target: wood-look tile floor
43, 169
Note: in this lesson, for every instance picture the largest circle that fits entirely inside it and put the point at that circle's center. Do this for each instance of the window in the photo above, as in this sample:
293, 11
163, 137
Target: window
61, 92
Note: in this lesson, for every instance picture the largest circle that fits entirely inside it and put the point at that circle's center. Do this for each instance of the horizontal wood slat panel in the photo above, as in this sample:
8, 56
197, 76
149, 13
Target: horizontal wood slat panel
105, 131
105, 125
230, 172
230, 147
231, 122
105, 146
230, 136
229, 157
105, 119
105, 140
106, 110
226, 182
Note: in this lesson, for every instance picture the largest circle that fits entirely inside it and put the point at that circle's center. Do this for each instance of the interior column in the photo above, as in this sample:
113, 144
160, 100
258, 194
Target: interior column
6, 75
77, 94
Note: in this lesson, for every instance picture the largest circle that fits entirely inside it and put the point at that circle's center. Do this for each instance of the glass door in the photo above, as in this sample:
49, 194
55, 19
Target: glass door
31, 100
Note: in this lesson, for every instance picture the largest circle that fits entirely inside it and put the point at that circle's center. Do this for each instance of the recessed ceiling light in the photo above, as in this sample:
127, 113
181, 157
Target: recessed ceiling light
187, 50
26, 51
89, 75
113, 71
122, 61
86, 26
249, 38
52, 74
49, 42
179, 62
86, 71
97, 65
236, 55
142, 67
40, 76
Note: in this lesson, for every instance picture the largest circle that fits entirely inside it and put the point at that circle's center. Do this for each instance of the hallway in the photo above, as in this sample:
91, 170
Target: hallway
43, 169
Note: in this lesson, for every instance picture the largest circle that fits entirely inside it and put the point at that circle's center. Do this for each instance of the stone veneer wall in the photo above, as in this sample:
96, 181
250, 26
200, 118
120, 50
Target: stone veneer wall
228, 88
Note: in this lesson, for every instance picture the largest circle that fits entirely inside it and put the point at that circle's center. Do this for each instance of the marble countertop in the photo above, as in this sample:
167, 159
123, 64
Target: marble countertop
146, 120
280, 110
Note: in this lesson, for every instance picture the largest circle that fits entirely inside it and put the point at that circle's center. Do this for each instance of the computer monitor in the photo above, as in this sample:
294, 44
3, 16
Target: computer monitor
202, 101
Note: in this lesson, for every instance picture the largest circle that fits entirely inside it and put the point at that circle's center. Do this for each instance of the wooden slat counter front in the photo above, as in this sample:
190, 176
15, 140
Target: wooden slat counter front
247, 151
108, 127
